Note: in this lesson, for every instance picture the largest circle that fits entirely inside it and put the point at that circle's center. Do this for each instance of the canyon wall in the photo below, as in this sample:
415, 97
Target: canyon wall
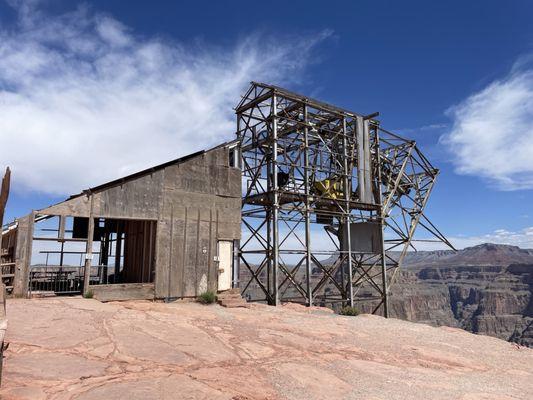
469, 290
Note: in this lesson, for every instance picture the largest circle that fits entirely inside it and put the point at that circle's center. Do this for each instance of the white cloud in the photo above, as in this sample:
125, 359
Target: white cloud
522, 238
84, 100
492, 132
322, 243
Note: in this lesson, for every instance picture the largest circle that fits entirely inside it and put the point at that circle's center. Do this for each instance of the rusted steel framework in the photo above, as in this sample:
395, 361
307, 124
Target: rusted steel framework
331, 201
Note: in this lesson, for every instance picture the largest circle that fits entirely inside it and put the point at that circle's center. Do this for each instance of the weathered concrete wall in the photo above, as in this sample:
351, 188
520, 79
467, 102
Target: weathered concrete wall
201, 204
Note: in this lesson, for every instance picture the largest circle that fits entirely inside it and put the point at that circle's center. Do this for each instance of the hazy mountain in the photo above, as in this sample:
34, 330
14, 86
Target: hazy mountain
483, 254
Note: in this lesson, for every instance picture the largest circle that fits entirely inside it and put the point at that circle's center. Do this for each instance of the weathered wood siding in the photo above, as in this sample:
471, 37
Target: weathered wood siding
23, 255
135, 199
76, 207
123, 291
201, 204
195, 202
139, 198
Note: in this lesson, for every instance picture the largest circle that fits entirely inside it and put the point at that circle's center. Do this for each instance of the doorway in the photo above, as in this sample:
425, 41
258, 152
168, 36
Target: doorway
225, 264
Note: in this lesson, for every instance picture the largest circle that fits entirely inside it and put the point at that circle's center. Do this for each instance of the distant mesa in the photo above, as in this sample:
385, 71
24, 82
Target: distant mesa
486, 254
486, 289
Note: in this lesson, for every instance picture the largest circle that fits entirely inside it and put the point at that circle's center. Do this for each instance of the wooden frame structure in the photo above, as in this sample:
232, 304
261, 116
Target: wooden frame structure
152, 234
7, 244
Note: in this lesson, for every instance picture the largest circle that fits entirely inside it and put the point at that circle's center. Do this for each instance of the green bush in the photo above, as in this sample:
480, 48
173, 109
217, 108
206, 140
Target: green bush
208, 297
351, 311
89, 294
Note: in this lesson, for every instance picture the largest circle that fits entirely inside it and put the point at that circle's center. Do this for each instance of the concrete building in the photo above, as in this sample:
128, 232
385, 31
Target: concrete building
166, 232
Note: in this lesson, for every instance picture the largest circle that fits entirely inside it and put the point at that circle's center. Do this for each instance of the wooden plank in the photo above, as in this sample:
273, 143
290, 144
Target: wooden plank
89, 249
62, 221
203, 264
136, 198
123, 291
76, 207
118, 251
23, 254
162, 263
190, 255
180, 259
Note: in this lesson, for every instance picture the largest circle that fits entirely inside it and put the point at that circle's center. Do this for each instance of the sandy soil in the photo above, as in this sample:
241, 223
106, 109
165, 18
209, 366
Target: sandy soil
74, 348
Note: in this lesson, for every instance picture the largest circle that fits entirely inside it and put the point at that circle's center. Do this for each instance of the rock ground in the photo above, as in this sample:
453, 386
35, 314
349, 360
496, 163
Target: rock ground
75, 348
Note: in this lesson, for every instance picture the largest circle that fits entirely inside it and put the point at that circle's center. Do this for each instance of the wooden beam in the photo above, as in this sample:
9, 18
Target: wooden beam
118, 252
89, 249
4, 194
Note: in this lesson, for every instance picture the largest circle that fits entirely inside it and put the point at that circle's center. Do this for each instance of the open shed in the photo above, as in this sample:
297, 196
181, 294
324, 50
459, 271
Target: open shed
166, 232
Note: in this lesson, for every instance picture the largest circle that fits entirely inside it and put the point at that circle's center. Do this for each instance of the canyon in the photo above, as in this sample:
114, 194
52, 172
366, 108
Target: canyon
485, 289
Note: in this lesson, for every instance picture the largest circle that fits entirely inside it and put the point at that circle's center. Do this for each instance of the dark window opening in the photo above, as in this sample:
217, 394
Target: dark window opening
234, 157
126, 251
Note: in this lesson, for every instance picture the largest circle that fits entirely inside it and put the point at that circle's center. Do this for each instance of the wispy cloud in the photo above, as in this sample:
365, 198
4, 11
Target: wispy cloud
84, 99
492, 132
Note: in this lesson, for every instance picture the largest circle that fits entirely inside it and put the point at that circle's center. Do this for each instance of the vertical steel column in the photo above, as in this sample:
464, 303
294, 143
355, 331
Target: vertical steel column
359, 133
307, 212
268, 216
237, 157
275, 202
385, 295
347, 196
236, 263
366, 163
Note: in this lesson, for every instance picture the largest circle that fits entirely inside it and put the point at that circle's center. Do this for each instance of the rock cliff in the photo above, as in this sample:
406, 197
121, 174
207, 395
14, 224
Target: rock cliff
485, 289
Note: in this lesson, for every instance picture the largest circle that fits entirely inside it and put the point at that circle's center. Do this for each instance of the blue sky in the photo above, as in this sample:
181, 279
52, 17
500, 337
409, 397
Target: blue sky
138, 76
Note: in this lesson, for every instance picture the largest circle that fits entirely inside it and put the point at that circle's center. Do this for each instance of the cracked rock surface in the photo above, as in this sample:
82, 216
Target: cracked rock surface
75, 348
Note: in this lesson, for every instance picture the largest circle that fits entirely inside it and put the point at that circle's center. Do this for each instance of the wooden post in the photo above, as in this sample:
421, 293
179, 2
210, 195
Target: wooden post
61, 238
118, 252
104, 255
4, 194
25, 261
89, 249
62, 220
21, 257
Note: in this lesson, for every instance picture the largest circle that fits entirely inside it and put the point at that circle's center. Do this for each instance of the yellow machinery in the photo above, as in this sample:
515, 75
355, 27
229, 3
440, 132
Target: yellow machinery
328, 188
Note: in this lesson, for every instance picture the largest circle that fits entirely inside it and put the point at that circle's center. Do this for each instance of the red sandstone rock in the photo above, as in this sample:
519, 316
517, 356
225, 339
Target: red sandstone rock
74, 348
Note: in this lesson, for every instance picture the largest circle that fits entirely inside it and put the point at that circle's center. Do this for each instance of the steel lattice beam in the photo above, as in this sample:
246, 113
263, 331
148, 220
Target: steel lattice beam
310, 170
